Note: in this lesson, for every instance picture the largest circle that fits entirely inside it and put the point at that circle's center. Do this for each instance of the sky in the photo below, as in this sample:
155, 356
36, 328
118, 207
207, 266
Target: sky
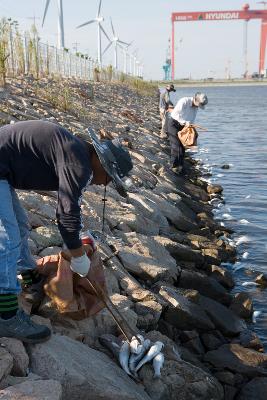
204, 49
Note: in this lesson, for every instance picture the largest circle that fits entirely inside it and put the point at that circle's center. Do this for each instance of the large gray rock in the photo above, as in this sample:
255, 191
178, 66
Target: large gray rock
6, 363
249, 339
17, 350
238, 359
83, 372
182, 313
205, 285
222, 275
46, 236
255, 389
242, 305
181, 381
180, 251
33, 390
173, 213
149, 209
144, 257
222, 317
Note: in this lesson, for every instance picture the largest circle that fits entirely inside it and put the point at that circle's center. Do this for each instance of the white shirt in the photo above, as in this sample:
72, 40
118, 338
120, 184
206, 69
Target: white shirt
184, 111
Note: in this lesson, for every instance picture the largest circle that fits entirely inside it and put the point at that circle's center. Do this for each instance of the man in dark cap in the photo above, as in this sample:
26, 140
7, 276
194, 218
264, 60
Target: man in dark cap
164, 105
40, 155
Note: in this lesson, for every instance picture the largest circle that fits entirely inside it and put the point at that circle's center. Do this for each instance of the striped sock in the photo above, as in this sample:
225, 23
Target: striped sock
8, 305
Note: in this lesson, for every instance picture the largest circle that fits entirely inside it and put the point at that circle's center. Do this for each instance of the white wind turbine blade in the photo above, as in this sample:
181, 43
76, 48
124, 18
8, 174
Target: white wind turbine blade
99, 9
106, 49
45, 11
112, 27
124, 43
102, 29
86, 23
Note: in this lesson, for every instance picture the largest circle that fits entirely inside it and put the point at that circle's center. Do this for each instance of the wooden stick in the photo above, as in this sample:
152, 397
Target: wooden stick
105, 299
199, 127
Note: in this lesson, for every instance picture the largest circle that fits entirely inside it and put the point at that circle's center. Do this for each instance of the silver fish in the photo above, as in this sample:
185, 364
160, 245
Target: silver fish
158, 362
153, 351
124, 357
135, 358
136, 344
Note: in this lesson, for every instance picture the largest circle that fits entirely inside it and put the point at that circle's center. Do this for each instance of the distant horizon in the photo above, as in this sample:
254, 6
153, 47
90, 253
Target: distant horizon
211, 49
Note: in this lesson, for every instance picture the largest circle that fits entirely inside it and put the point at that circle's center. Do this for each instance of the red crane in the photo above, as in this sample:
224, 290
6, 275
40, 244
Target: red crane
245, 14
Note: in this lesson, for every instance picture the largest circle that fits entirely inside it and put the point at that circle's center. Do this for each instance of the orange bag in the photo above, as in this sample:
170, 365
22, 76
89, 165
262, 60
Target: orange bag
70, 293
188, 136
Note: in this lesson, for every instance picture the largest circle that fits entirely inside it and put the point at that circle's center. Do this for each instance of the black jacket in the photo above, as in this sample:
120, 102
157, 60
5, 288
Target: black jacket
40, 155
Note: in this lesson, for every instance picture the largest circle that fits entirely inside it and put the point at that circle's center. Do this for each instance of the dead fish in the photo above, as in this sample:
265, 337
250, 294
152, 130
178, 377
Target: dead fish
111, 343
124, 356
153, 351
158, 362
136, 344
135, 358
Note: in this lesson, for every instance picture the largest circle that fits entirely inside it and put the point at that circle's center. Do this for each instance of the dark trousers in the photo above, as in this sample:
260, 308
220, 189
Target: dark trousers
177, 149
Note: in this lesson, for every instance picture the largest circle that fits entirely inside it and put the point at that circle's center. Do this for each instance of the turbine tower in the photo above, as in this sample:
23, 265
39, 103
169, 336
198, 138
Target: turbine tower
98, 19
116, 42
60, 37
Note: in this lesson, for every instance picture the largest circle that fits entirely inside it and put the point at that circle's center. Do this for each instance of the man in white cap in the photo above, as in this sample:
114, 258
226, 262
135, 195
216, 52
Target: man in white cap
184, 114
164, 104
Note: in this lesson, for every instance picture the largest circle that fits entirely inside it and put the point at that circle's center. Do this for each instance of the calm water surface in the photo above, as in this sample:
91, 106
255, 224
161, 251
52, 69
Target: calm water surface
237, 122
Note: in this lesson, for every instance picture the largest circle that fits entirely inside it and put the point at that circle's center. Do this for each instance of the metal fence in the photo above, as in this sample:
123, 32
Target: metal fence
28, 55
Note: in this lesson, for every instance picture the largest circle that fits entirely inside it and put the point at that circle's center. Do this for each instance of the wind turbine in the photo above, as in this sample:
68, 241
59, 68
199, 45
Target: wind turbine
117, 42
98, 19
126, 55
60, 37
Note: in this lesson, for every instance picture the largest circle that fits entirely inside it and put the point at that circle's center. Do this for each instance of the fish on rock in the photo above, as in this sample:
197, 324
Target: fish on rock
124, 356
158, 362
152, 352
136, 344
135, 358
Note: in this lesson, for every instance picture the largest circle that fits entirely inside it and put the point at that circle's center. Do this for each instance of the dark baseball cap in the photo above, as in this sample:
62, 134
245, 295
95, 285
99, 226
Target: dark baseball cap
171, 87
115, 160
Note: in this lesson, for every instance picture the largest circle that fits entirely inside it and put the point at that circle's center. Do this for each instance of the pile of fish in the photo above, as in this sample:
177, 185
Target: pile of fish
134, 354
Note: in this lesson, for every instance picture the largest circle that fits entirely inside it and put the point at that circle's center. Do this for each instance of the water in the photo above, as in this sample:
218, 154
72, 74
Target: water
237, 121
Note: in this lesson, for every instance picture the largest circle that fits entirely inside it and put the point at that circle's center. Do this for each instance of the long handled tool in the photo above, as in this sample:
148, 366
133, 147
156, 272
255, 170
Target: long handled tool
201, 128
123, 325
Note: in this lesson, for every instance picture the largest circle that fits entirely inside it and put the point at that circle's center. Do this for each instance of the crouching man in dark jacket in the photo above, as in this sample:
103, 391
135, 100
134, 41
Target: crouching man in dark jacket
40, 155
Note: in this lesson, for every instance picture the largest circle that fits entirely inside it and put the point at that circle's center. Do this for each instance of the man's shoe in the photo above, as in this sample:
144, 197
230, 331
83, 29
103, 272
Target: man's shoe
23, 328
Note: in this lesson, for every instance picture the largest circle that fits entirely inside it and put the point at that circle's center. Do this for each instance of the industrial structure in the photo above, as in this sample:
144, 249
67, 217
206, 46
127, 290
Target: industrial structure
167, 66
245, 14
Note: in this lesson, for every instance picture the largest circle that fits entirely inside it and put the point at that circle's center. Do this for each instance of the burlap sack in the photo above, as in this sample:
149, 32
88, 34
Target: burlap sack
70, 293
188, 136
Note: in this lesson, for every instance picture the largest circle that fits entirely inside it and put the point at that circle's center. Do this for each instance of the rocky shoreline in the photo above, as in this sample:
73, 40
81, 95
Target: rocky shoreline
166, 279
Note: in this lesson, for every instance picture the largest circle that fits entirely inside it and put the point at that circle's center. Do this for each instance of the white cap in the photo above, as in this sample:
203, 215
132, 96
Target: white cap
200, 100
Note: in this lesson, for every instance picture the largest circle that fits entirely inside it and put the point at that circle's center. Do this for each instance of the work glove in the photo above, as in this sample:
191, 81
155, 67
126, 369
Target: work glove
80, 265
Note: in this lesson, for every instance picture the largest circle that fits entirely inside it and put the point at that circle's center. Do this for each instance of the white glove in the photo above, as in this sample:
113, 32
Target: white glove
80, 265
188, 123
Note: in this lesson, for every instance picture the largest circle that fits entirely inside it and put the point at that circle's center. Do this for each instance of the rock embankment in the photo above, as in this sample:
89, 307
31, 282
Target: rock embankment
166, 278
